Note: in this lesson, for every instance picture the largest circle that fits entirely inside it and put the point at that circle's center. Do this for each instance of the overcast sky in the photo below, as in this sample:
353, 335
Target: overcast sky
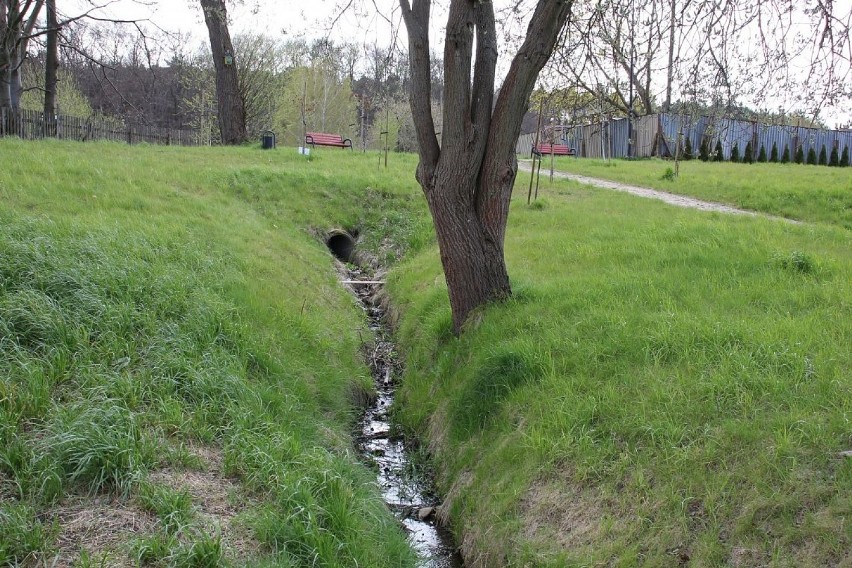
310, 19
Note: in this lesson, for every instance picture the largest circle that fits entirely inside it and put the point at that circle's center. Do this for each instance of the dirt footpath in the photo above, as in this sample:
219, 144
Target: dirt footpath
670, 198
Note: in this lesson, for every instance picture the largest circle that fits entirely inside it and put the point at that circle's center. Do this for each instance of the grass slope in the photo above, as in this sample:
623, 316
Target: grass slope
170, 328
667, 387
805, 193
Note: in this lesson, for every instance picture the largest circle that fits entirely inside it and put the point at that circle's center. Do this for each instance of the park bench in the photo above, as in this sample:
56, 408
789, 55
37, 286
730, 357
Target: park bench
555, 149
322, 139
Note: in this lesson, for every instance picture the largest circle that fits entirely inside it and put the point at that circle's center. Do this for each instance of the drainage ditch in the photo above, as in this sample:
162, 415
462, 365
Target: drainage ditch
405, 487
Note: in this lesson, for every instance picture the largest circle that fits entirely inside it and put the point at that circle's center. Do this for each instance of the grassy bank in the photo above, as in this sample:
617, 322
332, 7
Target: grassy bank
805, 193
178, 365
667, 387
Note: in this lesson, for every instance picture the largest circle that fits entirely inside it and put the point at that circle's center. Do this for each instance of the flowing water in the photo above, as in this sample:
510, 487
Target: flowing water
404, 489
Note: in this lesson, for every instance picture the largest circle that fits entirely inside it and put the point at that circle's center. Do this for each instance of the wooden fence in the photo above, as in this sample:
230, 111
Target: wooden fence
31, 125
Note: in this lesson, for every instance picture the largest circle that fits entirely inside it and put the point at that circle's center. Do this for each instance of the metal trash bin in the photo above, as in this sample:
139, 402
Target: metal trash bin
267, 140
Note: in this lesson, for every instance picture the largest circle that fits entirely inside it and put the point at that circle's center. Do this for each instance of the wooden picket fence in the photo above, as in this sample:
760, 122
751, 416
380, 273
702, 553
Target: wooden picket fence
31, 125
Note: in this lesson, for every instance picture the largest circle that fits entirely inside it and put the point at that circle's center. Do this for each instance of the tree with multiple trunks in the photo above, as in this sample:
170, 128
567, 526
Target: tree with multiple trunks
17, 22
467, 177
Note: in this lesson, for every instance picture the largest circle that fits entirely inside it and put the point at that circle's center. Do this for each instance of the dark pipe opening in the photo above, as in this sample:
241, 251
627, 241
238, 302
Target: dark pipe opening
341, 244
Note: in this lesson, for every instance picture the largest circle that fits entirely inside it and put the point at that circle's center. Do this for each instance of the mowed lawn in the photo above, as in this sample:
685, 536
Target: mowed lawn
667, 387
805, 193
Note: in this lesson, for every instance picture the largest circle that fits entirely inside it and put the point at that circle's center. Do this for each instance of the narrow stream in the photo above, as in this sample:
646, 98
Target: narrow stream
405, 490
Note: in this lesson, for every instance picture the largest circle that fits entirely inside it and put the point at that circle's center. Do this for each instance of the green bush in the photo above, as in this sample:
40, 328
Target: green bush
761, 156
834, 160
812, 157
844, 158
687, 149
748, 154
718, 152
773, 155
799, 157
735, 152
823, 157
704, 150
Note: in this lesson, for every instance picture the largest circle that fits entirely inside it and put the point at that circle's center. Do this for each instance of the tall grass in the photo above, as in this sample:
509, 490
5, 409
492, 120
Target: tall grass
169, 298
665, 387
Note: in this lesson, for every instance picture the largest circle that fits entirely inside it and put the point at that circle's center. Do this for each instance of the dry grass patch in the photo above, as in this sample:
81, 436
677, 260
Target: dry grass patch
217, 500
555, 512
101, 528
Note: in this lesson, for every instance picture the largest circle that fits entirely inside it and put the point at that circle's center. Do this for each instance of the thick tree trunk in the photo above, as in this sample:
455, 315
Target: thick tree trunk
471, 256
7, 49
232, 114
468, 178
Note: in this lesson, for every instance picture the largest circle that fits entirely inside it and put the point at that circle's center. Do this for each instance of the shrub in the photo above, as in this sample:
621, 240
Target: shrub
785, 157
704, 150
748, 154
834, 160
668, 175
718, 154
812, 157
844, 158
761, 156
796, 261
687, 150
773, 155
800, 155
823, 156
735, 152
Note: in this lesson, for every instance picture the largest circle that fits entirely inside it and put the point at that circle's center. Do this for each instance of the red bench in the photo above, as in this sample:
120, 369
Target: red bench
322, 139
555, 149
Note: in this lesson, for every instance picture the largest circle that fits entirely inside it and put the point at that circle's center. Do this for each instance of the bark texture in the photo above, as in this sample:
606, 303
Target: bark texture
51, 68
17, 20
232, 114
468, 178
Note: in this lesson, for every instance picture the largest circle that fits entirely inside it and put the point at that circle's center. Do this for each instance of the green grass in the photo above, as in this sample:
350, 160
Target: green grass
158, 299
665, 387
805, 193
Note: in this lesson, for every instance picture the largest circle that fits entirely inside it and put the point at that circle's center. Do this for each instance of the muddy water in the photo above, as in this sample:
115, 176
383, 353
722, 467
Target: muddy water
403, 487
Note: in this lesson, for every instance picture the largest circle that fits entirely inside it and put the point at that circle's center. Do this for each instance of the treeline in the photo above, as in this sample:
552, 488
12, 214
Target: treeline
750, 155
287, 86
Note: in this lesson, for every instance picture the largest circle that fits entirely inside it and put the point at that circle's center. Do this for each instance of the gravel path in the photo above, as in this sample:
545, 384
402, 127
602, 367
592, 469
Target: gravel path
671, 198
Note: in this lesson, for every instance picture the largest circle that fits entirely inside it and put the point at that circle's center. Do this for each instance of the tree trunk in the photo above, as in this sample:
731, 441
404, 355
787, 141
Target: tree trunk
670, 70
472, 259
16, 82
7, 49
468, 178
232, 114
50, 69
